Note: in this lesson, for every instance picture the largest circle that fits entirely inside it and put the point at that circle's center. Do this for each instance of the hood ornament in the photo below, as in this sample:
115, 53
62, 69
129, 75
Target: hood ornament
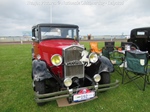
85, 60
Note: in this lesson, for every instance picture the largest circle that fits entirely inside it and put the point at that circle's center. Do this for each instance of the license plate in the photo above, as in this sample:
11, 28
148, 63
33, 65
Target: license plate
84, 96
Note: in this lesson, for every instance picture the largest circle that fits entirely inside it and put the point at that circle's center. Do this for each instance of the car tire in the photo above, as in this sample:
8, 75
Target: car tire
51, 85
40, 88
105, 78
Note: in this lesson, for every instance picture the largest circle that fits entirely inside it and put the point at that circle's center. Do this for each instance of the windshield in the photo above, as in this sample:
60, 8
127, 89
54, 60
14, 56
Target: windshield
56, 32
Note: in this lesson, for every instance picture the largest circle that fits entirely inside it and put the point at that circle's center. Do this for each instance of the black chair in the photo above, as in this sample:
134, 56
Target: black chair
109, 47
131, 45
135, 67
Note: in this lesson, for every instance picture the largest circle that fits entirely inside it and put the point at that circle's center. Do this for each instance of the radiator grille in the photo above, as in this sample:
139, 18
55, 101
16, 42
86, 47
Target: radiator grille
76, 68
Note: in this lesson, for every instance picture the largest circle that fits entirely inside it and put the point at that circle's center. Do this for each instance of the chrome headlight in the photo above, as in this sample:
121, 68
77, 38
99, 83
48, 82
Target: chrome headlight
93, 57
67, 82
56, 60
97, 77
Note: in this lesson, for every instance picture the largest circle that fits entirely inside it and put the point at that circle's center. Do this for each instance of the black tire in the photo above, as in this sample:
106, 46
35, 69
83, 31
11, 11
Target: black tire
45, 86
40, 88
105, 78
51, 85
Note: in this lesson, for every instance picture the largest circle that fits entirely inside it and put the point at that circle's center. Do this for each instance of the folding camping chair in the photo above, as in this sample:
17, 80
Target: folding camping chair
94, 47
137, 67
109, 47
117, 59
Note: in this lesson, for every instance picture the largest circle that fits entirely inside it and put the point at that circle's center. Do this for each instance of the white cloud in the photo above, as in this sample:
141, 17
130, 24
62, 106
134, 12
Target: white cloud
97, 17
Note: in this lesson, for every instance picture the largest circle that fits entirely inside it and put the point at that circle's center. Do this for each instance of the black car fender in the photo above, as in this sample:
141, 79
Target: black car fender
40, 70
102, 65
106, 65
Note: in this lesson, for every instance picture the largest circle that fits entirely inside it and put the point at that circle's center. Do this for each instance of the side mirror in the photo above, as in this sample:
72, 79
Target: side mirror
33, 38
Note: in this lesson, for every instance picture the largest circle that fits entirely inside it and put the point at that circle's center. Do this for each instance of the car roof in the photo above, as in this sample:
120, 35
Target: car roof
135, 30
142, 28
55, 25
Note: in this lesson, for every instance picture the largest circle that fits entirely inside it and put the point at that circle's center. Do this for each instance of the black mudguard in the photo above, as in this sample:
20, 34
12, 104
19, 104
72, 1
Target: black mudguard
106, 65
40, 71
102, 65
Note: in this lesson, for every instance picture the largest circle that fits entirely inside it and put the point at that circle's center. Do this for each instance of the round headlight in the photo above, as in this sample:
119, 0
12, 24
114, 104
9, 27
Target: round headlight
93, 57
56, 59
68, 82
97, 77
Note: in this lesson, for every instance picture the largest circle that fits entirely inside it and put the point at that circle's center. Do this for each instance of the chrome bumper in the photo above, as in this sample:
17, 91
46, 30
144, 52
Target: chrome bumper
41, 98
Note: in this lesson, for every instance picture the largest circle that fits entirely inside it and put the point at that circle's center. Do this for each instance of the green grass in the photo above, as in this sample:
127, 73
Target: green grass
16, 94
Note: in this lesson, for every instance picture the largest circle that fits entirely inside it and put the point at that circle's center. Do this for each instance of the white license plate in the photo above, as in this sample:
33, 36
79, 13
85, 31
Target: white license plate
85, 96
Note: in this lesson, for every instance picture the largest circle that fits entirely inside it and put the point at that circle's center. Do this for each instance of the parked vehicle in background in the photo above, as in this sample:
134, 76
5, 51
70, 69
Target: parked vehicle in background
62, 68
141, 37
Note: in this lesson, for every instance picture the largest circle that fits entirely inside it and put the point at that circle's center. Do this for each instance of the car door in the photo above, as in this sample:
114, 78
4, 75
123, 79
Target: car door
35, 43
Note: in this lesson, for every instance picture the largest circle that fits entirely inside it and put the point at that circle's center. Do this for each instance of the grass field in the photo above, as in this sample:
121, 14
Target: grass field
16, 94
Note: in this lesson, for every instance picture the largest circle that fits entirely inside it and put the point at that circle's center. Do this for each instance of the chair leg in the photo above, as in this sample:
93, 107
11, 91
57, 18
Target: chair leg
118, 70
123, 75
148, 80
145, 82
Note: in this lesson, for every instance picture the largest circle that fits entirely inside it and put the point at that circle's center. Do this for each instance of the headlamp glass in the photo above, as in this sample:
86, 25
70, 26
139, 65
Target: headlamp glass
93, 57
56, 60
97, 77
67, 82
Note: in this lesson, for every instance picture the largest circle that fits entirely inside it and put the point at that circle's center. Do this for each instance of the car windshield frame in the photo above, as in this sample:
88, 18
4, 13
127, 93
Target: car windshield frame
50, 32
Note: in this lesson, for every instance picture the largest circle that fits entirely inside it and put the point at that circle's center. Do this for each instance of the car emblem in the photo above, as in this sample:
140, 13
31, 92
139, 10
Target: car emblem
74, 48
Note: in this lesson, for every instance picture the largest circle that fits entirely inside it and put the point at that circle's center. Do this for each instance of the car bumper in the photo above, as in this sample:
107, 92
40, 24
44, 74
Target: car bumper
41, 98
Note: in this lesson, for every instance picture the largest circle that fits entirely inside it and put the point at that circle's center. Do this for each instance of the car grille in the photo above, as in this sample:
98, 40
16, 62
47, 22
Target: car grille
72, 66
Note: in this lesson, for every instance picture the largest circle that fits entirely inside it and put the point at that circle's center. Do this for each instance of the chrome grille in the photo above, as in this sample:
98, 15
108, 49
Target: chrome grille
72, 66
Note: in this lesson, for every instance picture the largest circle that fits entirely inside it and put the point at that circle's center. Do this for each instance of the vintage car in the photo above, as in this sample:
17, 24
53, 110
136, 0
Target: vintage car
141, 37
62, 68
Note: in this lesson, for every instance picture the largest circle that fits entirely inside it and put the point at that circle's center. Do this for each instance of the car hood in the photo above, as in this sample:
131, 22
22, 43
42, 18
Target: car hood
51, 47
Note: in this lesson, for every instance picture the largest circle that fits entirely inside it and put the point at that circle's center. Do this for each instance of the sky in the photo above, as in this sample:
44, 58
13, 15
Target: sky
95, 17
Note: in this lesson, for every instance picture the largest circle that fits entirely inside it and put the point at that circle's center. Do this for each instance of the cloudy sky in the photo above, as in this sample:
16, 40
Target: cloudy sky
96, 17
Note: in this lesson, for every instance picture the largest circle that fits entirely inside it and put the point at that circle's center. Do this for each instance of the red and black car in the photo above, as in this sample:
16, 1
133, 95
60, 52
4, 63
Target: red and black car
62, 68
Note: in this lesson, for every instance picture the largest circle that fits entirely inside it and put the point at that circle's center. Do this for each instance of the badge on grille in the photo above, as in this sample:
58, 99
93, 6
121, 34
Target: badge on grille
74, 48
